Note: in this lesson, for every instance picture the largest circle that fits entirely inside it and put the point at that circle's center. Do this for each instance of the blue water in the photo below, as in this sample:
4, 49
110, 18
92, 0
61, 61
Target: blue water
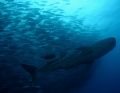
31, 29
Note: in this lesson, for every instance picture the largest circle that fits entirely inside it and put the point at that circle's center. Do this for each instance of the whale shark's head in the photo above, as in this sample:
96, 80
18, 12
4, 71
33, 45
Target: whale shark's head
102, 47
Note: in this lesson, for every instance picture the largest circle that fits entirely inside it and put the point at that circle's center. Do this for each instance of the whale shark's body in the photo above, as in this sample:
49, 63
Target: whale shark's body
82, 55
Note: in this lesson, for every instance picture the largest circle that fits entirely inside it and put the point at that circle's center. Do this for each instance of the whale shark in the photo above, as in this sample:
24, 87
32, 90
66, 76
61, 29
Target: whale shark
81, 55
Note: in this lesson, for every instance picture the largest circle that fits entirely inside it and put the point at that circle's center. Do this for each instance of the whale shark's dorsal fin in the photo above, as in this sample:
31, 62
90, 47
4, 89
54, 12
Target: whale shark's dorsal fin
49, 58
52, 57
32, 70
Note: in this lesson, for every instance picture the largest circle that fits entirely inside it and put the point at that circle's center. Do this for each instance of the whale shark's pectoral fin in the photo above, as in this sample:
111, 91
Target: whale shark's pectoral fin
32, 70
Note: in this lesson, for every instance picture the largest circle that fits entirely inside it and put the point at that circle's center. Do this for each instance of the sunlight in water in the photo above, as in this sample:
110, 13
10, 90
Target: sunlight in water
91, 13
91, 10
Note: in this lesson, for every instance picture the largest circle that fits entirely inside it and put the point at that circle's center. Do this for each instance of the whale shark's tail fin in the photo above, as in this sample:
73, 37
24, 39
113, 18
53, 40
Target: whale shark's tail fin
32, 70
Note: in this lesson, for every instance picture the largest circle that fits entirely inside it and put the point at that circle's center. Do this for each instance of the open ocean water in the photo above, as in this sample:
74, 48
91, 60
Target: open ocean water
32, 29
